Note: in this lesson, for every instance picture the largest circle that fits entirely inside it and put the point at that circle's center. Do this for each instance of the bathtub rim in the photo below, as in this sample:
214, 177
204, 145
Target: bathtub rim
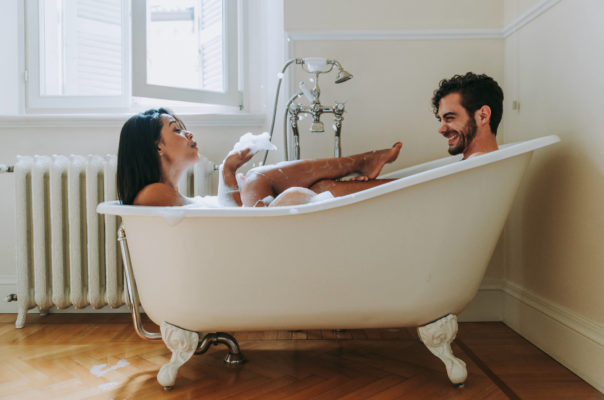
425, 172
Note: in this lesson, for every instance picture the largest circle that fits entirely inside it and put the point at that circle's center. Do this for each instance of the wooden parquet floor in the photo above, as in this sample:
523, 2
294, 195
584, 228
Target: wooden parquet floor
99, 356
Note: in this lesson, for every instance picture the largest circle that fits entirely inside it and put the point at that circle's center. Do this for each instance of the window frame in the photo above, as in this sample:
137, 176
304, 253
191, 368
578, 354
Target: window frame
231, 96
35, 102
133, 68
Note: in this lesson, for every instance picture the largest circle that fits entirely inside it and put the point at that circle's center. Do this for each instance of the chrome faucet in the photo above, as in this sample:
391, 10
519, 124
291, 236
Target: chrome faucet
294, 111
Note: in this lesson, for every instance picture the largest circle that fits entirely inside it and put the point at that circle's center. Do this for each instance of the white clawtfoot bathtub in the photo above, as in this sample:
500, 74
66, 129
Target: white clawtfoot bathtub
406, 253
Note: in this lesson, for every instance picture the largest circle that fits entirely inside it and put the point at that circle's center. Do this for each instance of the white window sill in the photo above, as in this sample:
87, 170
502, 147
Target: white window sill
116, 120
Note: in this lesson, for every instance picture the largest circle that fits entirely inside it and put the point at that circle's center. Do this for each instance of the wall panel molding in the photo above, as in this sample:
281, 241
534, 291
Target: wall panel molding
423, 34
426, 34
528, 16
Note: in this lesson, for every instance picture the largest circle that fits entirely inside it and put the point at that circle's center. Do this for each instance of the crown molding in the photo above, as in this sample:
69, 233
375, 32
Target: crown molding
528, 17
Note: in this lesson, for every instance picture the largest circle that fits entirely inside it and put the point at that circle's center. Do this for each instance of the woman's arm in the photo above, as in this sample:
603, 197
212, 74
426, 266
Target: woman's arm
228, 187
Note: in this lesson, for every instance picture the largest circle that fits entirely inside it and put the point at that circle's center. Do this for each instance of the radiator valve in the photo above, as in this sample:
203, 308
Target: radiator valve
10, 297
6, 168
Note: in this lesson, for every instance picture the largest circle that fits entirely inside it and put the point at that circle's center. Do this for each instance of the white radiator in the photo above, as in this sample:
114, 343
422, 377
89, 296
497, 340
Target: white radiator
67, 254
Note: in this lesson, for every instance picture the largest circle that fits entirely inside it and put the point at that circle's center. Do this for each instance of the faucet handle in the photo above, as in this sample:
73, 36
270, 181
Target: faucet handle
306, 91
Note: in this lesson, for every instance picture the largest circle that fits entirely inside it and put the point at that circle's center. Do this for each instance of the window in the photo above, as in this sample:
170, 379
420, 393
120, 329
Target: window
185, 50
80, 56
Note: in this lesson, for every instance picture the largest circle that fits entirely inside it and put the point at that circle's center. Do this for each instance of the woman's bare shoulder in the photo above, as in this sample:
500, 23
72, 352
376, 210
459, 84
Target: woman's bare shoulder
158, 194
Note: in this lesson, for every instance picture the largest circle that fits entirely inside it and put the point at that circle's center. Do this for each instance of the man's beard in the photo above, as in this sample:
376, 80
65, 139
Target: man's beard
466, 135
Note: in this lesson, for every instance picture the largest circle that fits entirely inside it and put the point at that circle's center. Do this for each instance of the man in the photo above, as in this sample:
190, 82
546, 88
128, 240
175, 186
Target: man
469, 109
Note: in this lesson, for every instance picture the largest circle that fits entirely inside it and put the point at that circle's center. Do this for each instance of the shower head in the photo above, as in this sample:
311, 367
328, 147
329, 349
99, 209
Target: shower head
343, 76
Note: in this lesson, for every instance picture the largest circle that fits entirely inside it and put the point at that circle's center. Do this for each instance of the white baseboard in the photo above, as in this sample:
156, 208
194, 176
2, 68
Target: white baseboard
487, 305
573, 340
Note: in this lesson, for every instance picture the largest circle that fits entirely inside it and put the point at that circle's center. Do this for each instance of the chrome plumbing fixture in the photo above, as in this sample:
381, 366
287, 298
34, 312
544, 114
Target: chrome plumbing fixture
132, 297
295, 110
6, 168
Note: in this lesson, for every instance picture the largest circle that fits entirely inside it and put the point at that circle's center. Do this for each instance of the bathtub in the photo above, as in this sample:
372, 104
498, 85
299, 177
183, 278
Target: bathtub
411, 252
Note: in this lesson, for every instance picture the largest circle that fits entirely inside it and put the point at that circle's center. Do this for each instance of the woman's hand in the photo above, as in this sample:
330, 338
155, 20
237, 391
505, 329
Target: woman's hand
235, 160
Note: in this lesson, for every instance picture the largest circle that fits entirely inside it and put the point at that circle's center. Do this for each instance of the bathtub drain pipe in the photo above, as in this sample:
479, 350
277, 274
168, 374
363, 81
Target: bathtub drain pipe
131, 289
234, 357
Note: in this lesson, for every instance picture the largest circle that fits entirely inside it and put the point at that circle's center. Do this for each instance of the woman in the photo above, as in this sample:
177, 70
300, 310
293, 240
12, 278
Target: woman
155, 150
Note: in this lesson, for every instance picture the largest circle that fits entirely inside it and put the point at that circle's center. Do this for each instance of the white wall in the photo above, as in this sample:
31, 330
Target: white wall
332, 15
553, 243
557, 67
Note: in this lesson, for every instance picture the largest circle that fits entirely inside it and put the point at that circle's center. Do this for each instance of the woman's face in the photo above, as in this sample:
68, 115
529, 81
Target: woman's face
176, 145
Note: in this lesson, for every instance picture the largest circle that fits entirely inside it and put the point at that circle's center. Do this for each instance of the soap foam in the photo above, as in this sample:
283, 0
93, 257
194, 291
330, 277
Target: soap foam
323, 196
267, 200
224, 197
203, 202
100, 370
254, 142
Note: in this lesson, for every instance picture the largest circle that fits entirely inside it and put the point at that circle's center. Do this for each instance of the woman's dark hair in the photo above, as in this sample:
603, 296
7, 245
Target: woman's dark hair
476, 91
138, 163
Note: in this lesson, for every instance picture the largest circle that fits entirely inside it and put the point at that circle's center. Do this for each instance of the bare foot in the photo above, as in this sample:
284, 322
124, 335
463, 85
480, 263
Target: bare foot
374, 161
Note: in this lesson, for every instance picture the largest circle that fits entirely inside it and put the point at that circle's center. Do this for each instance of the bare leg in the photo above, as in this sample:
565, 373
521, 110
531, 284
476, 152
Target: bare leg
293, 196
263, 182
343, 188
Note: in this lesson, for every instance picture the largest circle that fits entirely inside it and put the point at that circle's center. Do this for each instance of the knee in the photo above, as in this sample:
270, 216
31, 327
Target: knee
293, 196
322, 186
254, 181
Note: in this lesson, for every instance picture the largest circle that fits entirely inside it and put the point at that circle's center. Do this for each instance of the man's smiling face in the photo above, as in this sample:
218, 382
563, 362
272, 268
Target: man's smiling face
455, 124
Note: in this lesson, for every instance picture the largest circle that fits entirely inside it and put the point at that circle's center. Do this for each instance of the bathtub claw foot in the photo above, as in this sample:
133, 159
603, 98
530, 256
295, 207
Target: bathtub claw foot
182, 343
437, 336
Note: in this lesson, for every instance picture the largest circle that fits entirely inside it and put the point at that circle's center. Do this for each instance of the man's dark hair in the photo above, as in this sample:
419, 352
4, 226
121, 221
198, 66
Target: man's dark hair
476, 91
